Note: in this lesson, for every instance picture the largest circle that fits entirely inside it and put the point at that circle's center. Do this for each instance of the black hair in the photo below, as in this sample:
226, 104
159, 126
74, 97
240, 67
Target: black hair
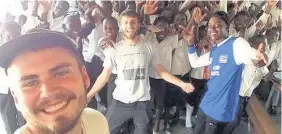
131, 13
109, 3
256, 40
223, 16
243, 13
160, 19
65, 4
180, 13
113, 20
273, 28
230, 6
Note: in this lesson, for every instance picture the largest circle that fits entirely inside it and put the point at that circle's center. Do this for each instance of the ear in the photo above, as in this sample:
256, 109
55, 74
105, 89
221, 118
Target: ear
85, 77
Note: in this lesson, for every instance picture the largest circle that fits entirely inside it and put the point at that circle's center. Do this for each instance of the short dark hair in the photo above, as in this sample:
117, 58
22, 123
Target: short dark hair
243, 13
223, 16
256, 40
131, 13
161, 19
113, 20
180, 13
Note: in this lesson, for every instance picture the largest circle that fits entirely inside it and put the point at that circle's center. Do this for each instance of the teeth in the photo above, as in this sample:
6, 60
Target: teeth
55, 107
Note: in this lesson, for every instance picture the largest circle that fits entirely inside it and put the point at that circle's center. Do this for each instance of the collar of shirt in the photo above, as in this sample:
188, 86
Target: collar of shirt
218, 45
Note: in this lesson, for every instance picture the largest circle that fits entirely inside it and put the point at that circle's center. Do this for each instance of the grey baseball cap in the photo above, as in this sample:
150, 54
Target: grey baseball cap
34, 40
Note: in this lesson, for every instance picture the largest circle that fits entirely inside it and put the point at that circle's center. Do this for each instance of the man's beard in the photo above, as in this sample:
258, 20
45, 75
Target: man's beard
62, 124
129, 37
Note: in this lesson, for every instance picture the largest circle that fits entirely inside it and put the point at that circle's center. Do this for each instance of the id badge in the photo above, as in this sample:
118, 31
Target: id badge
223, 58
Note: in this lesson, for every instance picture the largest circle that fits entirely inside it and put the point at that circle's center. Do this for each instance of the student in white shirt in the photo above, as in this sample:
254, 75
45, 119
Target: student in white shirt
132, 58
96, 17
251, 78
56, 16
165, 44
180, 65
242, 21
273, 44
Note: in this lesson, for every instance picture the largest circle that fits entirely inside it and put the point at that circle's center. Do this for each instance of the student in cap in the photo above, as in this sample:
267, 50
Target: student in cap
48, 81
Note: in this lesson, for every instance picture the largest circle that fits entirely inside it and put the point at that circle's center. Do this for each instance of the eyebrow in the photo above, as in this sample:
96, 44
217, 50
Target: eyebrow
28, 77
60, 66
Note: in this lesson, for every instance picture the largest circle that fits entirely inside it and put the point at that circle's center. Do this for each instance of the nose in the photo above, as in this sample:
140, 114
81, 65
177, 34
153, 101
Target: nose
47, 89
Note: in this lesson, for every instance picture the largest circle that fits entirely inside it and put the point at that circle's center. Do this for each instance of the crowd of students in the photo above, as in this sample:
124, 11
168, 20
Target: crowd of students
146, 61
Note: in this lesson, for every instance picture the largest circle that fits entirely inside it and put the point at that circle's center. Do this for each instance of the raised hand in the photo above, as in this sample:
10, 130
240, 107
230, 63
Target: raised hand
154, 28
197, 15
260, 56
106, 42
271, 3
188, 34
150, 7
172, 30
45, 5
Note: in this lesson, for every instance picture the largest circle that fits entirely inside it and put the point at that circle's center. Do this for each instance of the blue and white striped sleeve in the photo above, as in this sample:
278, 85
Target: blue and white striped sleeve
196, 61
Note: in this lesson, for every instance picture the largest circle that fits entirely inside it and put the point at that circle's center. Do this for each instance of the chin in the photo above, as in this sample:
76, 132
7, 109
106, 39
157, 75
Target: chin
63, 125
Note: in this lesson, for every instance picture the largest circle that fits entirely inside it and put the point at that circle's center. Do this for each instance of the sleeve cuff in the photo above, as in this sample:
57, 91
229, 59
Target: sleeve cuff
191, 49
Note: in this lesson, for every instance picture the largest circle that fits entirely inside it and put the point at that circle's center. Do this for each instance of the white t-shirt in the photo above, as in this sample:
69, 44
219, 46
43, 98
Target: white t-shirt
132, 64
92, 121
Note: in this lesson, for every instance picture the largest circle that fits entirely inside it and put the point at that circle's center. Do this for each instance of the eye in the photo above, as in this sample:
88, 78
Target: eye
30, 83
61, 73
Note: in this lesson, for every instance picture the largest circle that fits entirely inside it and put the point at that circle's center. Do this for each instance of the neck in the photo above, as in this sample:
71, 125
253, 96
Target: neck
219, 40
29, 129
132, 42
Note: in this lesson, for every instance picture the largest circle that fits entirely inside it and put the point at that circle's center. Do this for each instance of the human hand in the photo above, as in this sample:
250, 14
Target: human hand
188, 34
154, 28
105, 42
187, 87
150, 7
261, 57
197, 15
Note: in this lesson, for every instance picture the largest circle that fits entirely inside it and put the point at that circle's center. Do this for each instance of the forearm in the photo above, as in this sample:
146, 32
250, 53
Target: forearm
196, 61
171, 78
99, 84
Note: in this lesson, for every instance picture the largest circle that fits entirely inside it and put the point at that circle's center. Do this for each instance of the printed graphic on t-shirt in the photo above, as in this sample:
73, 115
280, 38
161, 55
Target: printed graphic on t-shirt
134, 74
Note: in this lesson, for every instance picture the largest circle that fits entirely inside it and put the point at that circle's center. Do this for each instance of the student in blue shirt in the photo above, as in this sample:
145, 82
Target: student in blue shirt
226, 58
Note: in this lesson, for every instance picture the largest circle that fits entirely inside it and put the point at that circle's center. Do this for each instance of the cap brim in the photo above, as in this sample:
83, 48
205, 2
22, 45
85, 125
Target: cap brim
14, 47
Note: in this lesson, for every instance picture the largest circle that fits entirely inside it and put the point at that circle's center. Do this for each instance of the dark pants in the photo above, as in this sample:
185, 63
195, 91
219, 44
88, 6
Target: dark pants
158, 94
207, 125
195, 97
119, 113
243, 102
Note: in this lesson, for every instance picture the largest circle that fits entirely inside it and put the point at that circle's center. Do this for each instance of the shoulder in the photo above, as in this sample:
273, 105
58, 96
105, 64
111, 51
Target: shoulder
94, 122
22, 130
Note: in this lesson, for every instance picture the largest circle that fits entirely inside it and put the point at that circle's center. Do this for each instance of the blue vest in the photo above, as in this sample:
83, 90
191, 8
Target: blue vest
220, 102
